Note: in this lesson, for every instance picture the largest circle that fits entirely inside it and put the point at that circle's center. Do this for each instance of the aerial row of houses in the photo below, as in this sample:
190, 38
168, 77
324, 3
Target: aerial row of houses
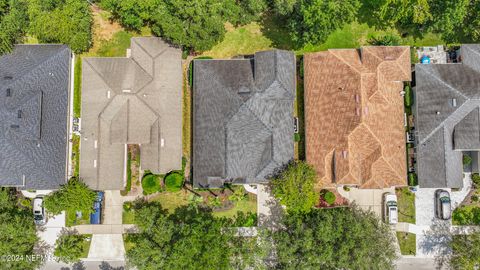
242, 116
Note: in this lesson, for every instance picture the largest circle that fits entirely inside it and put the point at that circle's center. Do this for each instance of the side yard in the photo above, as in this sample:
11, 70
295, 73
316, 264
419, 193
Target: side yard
407, 243
406, 205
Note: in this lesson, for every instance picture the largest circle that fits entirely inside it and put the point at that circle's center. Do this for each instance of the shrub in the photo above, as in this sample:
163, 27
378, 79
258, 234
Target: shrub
328, 196
467, 160
296, 137
387, 39
70, 247
466, 215
243, 219
71, 197
173, 182
474, 198
150, 184
476, 179
412, 179
346, 188
25, 202
408, 98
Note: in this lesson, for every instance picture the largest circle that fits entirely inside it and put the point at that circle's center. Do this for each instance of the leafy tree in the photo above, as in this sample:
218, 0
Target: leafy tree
387, 39
337, 238
194, 24
189, 238
294, 187
67, 22
73, 196
284, 7
17, 232
13, 23
70, 247
240, 12
465, 251
132, 14
311, 21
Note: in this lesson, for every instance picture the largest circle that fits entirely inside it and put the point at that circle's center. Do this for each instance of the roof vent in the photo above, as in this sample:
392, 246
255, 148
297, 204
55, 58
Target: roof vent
438, 113
357, 98
454, 102
126, 90
19, 114
14, 126
108, 94
344, 154
357, 111
9, 92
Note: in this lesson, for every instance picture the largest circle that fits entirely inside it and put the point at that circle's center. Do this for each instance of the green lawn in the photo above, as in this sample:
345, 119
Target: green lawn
86, 245
71, 220
77, 86
407, 242
116, 47
466, 215
127, 244
76, 151
128, 217
171, 200
406, 205
246, 39
247, 205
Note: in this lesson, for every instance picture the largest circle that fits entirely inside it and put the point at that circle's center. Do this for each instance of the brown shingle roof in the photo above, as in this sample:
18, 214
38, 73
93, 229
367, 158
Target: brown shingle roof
354, 115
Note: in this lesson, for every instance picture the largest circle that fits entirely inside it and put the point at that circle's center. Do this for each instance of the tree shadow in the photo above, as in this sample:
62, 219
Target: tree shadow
107, 266
273, 27
437, 241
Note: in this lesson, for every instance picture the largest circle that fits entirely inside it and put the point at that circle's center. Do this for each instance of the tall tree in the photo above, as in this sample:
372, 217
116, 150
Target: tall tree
338, 238
13, 23
17, 233
311, 21
465, 251
294, 187
73, 196
189, 238
70, 246
68, 22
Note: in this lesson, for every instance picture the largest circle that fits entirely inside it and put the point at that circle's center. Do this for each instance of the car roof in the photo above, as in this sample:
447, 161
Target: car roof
391, 197
37, 203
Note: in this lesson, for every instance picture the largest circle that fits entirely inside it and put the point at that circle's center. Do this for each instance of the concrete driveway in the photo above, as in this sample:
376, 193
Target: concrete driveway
50, 231
367, 199
106, 247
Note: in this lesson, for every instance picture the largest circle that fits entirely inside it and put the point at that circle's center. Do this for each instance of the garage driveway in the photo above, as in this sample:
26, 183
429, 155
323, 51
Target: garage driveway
367, 199
52, 230
106, 247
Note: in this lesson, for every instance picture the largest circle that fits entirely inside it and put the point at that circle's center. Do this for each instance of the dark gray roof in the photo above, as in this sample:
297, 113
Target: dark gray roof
34, 95
131, 100
447, 118
242, 118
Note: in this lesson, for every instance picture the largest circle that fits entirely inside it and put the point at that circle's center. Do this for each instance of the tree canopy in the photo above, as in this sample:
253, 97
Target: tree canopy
17, 232
294, 187
13, 23
195, 25
311, 21
189, 238
73, 196
337, 238
70, 246
62, 21
465, 251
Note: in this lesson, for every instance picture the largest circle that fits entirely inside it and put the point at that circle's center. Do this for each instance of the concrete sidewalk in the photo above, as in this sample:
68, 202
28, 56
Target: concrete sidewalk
106, 229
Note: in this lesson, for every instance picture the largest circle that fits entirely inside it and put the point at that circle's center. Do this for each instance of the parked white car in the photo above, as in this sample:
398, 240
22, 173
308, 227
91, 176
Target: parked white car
443, 206
39, 211
390, 211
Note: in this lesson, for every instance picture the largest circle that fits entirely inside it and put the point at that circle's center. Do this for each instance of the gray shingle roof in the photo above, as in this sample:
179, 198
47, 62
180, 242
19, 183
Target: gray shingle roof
34, 94
447, 120
134, 100
242, 118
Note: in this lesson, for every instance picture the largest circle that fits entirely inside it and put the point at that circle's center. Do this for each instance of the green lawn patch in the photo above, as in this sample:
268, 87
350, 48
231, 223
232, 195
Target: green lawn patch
248, 205
406, 205
117, 46
76, 153
128, 215
171, 200
77, 86
246, 39
407, 242
86, 245
151, 184
173, 182
71, 219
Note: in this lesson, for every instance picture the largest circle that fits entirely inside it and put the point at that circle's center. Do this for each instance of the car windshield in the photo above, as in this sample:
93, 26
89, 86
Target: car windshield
392, 203
445, 199
37, 217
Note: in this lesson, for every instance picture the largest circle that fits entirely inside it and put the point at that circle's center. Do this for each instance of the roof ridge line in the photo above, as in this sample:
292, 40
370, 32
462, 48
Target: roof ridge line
39, 64
345, 62
446, 84
442, 124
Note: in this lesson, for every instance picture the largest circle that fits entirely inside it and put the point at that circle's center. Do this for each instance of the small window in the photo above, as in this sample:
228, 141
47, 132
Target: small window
9, 92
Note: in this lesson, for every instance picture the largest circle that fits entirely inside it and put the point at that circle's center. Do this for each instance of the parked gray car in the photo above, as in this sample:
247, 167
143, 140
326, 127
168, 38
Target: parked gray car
443, 207
39, 211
